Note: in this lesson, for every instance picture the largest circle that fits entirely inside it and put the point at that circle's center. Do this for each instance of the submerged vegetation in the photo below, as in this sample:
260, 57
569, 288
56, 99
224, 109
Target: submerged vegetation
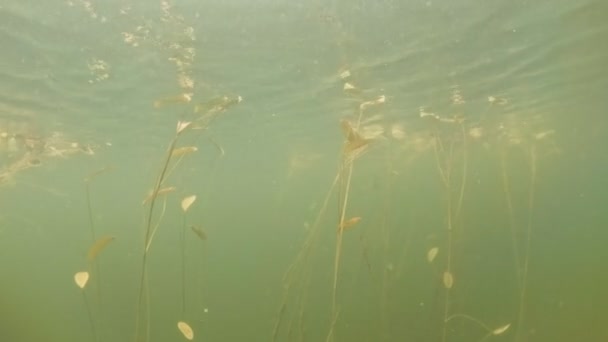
407, 224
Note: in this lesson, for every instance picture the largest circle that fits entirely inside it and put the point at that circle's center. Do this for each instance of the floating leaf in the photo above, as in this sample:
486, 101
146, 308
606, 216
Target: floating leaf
186, 330
448, 279
160, 192
199, 232
501, 330
432, 254
187, 202
98, 246
181, 151
81, 279
348, 223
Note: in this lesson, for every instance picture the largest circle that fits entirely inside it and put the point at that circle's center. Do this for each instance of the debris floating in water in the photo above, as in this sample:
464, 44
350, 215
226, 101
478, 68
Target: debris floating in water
186, 330
81, 279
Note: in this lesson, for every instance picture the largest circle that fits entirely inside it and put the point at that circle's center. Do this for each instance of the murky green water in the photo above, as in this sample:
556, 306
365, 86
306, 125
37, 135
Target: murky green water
363, 170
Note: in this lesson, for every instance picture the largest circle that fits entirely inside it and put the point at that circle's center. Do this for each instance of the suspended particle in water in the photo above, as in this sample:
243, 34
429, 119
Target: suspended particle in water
99, 70
457, 98
185, 81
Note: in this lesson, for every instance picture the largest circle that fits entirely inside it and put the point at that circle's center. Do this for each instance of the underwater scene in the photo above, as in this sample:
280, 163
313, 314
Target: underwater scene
304, 171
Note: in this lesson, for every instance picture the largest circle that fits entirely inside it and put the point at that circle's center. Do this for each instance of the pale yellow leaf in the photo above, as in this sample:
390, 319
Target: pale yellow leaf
81, 279
501, 330
348, 223
186, 330
182, 125
160, 192
432, 254
98, 246
187, 202
182, 151
448, 279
